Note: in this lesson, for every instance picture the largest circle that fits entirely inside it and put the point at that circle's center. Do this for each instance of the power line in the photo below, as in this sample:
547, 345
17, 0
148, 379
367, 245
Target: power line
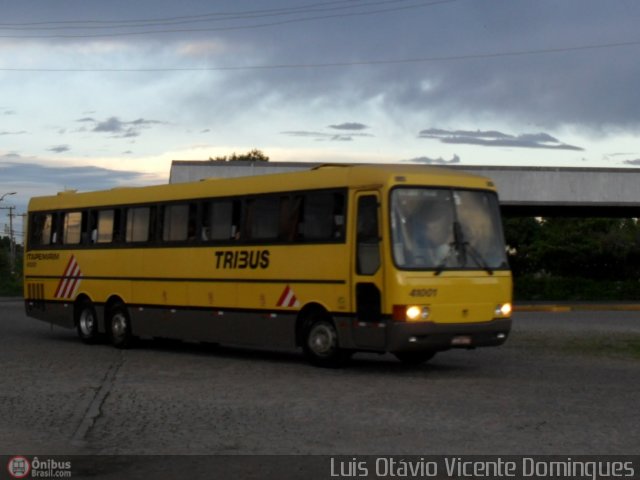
205, 17
476, 56
249, 13
239, 27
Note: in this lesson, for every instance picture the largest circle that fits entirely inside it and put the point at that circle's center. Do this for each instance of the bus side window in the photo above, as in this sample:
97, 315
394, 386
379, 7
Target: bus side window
118, 227
55, 237
368, 236
137, 229
263, 218
174, 223
90, 228
220, 219
338, 216
40, 229
323, 217
291, 215
192, 223
72, 233
179, 222
105, 226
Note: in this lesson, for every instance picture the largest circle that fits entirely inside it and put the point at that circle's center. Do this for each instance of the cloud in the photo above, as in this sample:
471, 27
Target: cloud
15, 171
471, 72
112, 125
30, 179
632, 162
9, 112
349, 126
119, 128
323, 136
201, 49
434, 161
492, 138
59, 148
331, 136
21, 132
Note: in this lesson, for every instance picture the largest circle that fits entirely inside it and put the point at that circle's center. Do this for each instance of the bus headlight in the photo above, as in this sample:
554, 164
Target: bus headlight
410, 313
503, 310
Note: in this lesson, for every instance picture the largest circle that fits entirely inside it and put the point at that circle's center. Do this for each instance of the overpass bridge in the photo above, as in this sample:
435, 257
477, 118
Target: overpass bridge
524, 191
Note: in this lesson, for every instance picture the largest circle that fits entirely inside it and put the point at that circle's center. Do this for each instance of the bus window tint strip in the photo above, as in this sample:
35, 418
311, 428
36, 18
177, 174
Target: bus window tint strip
281, 218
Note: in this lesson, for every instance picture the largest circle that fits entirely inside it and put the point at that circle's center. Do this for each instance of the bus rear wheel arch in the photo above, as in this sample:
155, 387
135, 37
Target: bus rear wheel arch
320, 341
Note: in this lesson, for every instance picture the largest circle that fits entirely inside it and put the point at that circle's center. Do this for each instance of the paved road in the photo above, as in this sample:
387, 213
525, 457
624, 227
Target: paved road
564, 383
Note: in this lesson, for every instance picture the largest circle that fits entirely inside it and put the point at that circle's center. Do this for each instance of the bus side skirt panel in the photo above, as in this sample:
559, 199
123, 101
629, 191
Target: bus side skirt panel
211, 325
56, 313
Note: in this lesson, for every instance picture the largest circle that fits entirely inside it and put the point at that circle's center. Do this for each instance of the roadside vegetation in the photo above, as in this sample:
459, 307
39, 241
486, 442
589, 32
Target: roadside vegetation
10, 279
574, 259
610, 344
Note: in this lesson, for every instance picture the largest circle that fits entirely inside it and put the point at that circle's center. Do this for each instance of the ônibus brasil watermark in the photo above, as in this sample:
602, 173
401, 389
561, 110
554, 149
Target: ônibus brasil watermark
22, 467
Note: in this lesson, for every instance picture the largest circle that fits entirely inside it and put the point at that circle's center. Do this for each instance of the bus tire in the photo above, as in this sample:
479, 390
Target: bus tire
119, 323
415, 358
87, 322
321, 346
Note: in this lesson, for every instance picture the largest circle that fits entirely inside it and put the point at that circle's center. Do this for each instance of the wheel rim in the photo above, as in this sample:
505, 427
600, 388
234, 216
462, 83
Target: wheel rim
322, 340
87, 323
118, 325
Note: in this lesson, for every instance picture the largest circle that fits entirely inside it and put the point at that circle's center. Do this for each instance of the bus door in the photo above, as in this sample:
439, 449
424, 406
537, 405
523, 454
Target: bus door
369, 328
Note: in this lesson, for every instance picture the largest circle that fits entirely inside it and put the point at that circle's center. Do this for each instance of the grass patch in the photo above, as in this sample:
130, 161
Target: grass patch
617, 345
550, 288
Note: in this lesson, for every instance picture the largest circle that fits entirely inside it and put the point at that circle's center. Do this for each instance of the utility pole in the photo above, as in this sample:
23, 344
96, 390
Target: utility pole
12, 239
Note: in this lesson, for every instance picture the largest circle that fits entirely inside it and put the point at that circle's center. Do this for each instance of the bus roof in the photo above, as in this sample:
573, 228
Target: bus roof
324, 176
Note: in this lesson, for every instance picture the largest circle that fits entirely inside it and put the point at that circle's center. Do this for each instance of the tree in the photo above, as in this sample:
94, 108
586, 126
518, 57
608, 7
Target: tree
5, 267
521, 236
595, 248
254, 155
10, 284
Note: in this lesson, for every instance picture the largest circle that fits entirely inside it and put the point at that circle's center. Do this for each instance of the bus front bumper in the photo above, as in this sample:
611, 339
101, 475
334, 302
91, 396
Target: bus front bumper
420, 336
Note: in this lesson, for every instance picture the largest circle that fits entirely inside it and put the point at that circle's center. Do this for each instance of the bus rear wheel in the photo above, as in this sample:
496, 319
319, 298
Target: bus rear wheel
87, 322
120, 326
321, 345
415, 358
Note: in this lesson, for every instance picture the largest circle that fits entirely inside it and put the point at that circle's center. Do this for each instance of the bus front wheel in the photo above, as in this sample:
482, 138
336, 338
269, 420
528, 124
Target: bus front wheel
321, 345
87, 322
120, 327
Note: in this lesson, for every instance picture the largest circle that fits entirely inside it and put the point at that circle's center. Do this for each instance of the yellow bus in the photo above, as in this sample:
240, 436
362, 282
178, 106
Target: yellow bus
402, 259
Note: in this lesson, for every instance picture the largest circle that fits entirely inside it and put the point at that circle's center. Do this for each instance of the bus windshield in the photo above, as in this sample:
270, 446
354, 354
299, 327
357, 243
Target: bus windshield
441, 229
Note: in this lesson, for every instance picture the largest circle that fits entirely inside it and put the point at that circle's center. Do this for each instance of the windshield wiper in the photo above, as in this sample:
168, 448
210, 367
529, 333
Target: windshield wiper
443, 264
456, 246
462, 247
477, 257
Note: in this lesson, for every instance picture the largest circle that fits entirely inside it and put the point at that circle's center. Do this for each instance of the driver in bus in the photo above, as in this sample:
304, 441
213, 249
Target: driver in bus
426, 224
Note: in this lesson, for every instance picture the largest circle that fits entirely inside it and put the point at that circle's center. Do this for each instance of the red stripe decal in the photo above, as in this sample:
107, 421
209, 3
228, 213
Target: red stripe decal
283, 296
63, 280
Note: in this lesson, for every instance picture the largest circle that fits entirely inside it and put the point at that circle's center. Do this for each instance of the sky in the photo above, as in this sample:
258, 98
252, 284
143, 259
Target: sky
98, 94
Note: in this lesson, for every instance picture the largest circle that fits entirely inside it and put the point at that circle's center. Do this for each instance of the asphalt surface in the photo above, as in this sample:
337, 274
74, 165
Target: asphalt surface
564, 383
